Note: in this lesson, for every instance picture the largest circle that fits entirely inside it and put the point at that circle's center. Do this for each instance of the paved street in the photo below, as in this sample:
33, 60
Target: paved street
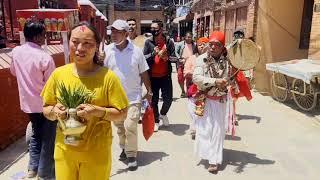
273, 141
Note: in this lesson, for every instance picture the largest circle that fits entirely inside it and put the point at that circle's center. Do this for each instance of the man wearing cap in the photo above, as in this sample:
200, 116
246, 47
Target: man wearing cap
129, 63
238, 34
210, 75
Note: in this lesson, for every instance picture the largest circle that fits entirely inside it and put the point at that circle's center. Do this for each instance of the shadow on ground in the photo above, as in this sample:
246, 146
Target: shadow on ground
232, 138
239, 159
313, 113
176, 129
144, 159
12, 154
248, 117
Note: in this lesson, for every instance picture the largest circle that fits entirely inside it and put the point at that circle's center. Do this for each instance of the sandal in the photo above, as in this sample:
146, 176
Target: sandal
213, 168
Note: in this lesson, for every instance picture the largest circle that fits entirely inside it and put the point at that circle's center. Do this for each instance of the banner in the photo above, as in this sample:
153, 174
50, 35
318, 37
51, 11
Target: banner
182, 11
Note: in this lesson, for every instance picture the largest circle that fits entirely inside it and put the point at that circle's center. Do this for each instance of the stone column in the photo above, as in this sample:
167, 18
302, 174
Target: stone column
111, 16
138, 16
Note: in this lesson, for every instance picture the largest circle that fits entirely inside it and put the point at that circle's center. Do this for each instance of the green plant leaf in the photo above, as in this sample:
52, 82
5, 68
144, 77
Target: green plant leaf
73, 97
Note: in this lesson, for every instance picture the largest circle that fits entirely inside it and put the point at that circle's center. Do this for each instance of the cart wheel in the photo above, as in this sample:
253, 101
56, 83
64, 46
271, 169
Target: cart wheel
306, 102
279, 87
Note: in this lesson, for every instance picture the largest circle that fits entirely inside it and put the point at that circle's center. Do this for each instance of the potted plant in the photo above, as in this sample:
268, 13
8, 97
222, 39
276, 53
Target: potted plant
71, 98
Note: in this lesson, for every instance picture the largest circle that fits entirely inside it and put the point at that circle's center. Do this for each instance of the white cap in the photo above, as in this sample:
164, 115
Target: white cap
120, 25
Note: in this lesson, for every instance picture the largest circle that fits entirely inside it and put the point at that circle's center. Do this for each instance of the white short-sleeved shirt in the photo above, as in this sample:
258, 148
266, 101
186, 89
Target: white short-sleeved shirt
128, 64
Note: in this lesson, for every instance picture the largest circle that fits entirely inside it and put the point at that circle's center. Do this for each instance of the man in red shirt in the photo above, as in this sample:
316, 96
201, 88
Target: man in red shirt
157, 52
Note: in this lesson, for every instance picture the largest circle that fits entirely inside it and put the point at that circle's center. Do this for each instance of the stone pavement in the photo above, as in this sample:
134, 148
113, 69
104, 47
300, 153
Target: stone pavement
273, 141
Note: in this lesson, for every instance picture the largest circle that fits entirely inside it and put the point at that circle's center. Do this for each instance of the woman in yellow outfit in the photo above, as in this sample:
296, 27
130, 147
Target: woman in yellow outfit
92, 158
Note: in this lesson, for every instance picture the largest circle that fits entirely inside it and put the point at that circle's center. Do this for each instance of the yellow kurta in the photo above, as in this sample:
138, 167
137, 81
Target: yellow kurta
95, 152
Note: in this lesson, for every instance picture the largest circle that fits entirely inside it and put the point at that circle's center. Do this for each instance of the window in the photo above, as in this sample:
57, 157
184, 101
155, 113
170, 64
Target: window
207, 26
49, 4
216, 22
306, 24
200, 27
229, 25
241, 18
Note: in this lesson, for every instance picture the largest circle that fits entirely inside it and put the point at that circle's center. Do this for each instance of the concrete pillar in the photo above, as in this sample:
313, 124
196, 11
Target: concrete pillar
138, 16
111, 16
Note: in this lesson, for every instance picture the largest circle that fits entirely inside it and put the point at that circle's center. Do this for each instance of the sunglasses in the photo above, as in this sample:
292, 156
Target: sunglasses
215, 44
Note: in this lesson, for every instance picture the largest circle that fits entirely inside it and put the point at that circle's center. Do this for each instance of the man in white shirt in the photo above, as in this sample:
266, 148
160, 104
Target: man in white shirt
129, 63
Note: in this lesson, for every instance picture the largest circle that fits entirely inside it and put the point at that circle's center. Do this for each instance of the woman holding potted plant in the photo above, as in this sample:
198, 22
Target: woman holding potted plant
84, 97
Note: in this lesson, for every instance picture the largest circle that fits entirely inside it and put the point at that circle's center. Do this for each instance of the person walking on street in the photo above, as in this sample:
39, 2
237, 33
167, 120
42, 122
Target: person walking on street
129, 63
32, 66
210, 75
238, 35
202, 46
90, 157
133, 35
184, 50
157, 52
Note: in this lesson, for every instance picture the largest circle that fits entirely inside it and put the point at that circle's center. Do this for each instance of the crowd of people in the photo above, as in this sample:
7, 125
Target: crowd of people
117, 82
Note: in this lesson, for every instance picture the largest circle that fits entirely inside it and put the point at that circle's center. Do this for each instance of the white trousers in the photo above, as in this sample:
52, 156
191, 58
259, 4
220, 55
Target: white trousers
210, 132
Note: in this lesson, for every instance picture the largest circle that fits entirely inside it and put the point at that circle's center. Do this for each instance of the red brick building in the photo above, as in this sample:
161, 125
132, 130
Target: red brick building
224, 15
144, 11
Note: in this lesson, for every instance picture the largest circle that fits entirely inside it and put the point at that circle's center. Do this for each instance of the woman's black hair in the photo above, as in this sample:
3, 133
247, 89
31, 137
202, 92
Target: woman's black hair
96, 58
33, 29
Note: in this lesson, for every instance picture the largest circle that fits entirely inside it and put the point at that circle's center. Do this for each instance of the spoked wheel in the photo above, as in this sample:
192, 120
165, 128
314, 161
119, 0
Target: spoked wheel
303, 95
279, 87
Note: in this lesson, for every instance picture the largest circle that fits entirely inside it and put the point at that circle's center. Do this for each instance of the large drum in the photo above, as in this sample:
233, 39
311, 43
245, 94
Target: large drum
244, 54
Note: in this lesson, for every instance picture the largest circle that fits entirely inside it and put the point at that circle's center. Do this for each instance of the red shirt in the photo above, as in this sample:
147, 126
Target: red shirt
160, 66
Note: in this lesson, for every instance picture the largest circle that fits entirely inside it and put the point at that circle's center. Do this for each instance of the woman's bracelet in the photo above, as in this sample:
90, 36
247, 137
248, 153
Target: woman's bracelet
105, 116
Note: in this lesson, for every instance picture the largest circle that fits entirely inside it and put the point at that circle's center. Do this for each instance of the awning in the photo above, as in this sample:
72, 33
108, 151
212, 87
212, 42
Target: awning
99, 13
86, 3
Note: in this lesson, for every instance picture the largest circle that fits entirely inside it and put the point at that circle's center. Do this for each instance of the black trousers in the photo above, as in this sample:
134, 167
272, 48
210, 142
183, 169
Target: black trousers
165, 85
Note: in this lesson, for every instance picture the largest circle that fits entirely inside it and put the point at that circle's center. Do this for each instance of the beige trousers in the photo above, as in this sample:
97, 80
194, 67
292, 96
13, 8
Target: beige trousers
127, 130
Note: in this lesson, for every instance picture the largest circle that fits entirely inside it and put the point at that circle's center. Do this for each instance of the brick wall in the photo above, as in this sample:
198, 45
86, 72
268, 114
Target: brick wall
87, 13
10, 7
13, 121
201, 11
150, 15
314, 50
137, 14
142, 15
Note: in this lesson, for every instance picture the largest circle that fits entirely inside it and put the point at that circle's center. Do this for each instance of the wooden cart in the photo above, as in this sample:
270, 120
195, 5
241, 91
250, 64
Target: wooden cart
297, 79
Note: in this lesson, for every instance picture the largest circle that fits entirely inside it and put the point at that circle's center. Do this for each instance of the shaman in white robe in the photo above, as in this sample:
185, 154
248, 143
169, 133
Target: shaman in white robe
210, 128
